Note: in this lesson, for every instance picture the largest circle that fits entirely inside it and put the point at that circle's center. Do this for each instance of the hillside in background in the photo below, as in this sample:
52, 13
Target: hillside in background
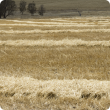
97, 5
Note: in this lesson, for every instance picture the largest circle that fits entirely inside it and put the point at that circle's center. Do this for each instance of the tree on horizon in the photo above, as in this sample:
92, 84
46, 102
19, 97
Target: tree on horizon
7, 7
32, 8
22, 6
41, 10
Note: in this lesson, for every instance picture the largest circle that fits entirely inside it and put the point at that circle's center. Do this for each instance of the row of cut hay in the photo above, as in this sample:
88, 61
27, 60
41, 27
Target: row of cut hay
89, 17
55, 25
54, 31
63, 23
64, 42
25, 86
103, 19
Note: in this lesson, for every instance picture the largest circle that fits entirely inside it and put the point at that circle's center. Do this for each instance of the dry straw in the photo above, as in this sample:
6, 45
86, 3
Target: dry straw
55, 31
53, 25
64, 42
62, 88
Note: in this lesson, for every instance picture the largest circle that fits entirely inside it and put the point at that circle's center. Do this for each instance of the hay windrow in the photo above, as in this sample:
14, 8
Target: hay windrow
62, 88
54, 31
64, 42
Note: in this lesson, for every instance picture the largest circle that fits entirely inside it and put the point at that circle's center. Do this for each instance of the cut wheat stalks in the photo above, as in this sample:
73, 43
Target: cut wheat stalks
55, 31
61, 88
55, 25
64, 42
64, 23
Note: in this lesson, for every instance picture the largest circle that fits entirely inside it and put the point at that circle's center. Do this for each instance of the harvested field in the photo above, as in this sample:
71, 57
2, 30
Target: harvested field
64, 42
61, 63
48, 94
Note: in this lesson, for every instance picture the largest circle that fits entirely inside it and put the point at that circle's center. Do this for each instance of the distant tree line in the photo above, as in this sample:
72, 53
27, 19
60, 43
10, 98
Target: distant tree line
31, 8
7, 7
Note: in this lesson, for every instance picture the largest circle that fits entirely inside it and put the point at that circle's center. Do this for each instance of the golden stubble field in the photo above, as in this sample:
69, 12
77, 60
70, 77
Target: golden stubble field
55, 64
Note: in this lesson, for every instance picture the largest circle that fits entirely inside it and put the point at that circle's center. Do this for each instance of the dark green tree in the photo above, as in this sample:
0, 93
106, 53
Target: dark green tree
7, 7
41, 10
22, 6
32, 8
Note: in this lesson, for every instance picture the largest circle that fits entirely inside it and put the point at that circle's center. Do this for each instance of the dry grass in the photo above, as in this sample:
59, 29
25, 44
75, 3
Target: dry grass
86, 36
64, 42
54, 31
55, 94
57, 64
